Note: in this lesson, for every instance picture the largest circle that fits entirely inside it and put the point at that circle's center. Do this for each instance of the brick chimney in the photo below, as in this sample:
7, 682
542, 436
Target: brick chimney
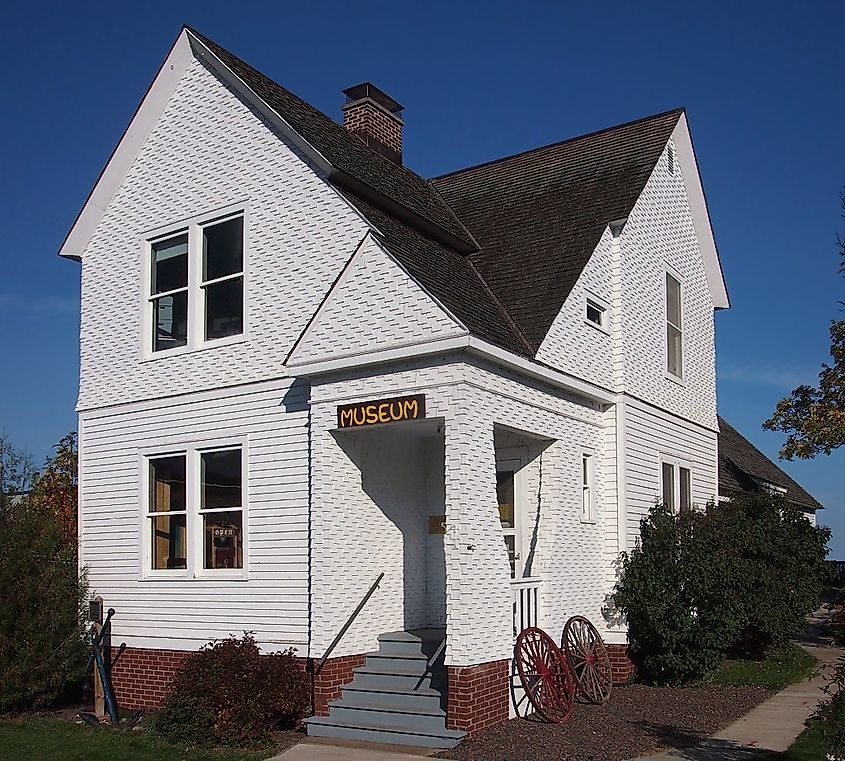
375, 118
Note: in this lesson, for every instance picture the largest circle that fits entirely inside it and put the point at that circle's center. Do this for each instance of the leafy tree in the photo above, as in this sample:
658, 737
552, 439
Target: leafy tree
42, 647
16, 469
814, 418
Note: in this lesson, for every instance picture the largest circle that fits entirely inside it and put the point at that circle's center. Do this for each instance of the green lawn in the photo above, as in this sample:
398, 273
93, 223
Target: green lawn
58, 740
779, 670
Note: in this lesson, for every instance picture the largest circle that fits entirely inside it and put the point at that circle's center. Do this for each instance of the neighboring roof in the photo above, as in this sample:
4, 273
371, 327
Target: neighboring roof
742, 468
539, 216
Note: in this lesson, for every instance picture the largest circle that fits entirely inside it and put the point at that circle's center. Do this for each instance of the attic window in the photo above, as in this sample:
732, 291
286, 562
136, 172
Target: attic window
670, 159
596, 314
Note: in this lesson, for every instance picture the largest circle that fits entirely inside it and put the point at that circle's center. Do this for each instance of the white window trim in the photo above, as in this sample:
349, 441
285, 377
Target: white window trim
680, 379
677, 463
601, 304
518, 458
590, 516
196, 293
195, 550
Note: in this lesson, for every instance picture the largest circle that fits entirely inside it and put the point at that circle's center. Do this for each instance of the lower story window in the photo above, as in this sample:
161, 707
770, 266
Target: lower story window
676, 488
195, 510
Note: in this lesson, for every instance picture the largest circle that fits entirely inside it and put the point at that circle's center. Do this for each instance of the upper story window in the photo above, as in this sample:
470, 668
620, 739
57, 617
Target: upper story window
196, 288
596, 313
674, 327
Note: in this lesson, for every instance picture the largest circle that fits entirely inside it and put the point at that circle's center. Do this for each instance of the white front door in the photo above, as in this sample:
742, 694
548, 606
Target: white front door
510, 496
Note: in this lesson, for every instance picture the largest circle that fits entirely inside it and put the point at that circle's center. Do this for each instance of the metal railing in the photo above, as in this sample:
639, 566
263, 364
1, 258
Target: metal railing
372, 589
527, 603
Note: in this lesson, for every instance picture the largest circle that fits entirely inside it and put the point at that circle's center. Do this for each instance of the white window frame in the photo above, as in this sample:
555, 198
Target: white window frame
677, 464
670, 272
515, 459
195, 550
602, 305
588, 490
196, 286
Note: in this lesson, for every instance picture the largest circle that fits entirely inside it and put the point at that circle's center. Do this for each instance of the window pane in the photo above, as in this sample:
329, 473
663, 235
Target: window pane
170, 321
223, 539
170, 264
221, 479
168, 542
595, 313
674, 351
167, 483
223, 249
510, 543
673, 301
504, 495
669, 485
224, 306
685, 499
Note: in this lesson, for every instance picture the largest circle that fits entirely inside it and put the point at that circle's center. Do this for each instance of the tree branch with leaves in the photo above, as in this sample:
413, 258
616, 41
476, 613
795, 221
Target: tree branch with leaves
814, 418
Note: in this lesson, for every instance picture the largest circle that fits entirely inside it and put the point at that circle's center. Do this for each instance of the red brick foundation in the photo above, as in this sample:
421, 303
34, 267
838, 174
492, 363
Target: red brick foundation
335, 674
620, 663
142, 678
477, 696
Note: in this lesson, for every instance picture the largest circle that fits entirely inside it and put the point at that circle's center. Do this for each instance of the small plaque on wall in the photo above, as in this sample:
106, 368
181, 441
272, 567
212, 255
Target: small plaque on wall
436, 524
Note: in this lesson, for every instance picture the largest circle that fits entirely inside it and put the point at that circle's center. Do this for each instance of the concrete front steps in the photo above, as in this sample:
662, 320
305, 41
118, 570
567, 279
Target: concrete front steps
398, 697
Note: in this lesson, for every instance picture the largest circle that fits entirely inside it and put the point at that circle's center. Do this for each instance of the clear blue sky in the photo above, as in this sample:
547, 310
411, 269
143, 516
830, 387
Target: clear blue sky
762, 82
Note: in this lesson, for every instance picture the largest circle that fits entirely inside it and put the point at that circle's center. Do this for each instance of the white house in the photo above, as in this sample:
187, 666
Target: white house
304, 366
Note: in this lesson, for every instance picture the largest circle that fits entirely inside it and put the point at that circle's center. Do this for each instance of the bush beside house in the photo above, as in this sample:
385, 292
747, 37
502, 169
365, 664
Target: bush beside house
228, 693
738, 579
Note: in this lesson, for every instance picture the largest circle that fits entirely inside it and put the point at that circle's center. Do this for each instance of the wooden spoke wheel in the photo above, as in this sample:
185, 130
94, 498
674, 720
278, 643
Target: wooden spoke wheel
588, 659
545, 675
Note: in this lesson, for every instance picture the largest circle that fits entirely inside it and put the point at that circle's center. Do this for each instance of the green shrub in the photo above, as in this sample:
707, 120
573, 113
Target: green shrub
228, 693
42, 632
740, 578
830, 713
676, 595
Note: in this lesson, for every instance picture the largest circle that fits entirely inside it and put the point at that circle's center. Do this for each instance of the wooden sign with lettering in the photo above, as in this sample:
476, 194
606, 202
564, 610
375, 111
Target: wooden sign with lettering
381, 411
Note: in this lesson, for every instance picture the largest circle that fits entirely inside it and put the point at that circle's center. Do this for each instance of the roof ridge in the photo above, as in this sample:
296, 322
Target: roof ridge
679, 111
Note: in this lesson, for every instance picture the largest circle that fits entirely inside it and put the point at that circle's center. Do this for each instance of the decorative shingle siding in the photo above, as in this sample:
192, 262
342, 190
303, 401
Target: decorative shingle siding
209, 150
183, 614
660, 232
572, 344
374, 306
471, 399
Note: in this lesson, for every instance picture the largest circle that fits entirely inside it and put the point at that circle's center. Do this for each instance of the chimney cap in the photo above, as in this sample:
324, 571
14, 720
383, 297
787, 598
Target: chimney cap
369, 90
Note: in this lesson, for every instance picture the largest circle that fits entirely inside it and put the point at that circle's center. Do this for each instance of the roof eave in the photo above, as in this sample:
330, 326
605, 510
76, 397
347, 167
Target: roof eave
700, 214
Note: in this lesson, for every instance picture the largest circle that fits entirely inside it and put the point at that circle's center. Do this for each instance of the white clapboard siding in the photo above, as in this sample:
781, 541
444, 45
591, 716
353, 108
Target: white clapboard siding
651, 433
185, 613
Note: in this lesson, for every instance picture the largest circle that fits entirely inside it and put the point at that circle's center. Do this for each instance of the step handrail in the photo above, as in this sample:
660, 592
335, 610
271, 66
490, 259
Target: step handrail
429, 666
372, 589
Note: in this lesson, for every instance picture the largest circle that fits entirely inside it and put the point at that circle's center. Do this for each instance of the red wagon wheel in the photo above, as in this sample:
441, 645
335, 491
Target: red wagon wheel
588, 659
545, 675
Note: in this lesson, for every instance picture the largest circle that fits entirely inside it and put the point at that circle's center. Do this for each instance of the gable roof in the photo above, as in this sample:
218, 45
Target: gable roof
742, 467
500, 245
539, 215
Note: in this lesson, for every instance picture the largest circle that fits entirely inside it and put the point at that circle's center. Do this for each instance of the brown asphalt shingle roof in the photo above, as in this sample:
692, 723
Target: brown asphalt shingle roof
740, 463
539, 216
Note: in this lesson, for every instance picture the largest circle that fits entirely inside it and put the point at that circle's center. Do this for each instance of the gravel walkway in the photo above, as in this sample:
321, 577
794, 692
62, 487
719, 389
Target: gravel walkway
637, 720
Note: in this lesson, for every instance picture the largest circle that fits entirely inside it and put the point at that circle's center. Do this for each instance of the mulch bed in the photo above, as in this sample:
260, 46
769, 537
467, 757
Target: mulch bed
636, 721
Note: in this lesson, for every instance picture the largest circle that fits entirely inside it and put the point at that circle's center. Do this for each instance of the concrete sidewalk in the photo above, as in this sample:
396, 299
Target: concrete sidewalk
772, 725
316, 749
